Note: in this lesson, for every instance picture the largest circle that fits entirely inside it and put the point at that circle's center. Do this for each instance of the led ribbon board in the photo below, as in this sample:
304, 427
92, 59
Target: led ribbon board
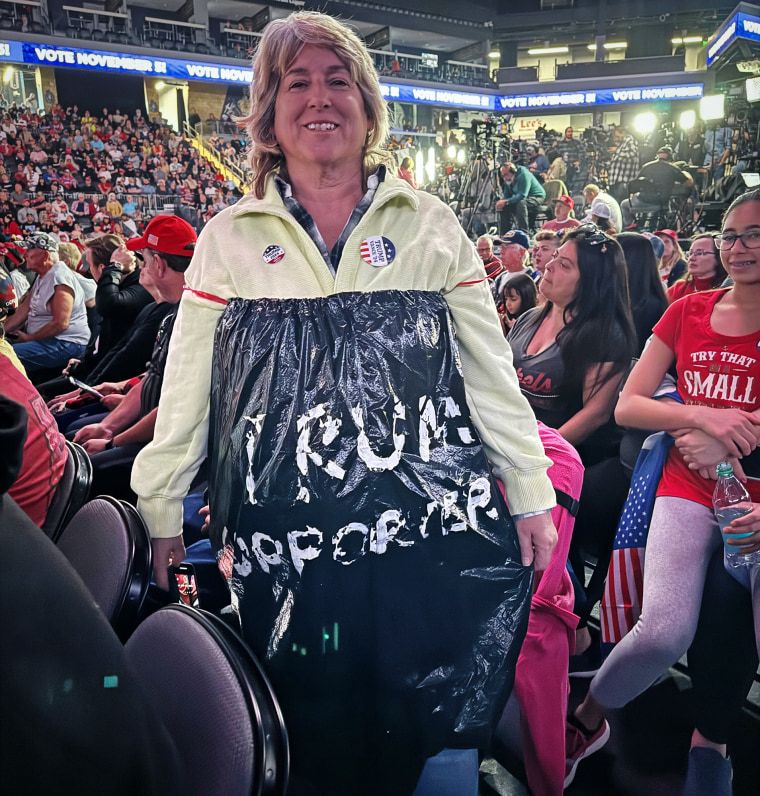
147, 65
739, 26
124, 63
605, 96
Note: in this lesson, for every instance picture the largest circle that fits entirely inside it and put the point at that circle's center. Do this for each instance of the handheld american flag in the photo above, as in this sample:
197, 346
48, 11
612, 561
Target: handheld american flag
621, 603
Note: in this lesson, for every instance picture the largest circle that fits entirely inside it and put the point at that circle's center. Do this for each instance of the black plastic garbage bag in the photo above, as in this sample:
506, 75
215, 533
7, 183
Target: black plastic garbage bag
376, 569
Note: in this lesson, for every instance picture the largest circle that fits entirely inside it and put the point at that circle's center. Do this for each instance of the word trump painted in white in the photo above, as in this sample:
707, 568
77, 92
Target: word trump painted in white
318, 430
440, 425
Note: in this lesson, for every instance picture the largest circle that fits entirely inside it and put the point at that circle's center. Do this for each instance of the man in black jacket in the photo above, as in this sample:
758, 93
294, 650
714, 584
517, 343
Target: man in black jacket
663, 176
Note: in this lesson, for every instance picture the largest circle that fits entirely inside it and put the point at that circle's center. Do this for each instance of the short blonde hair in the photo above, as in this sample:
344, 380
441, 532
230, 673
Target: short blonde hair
70, 254
279, 47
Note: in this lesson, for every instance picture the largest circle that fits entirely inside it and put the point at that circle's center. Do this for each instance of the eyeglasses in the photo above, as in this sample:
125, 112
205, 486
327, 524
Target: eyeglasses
750, 240
705, 253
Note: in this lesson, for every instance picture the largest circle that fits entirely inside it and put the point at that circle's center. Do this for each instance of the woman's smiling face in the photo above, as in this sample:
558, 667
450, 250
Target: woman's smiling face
319, 111
740, 261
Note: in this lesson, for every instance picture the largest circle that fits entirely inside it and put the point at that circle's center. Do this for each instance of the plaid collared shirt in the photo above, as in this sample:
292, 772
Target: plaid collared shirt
624, 166
302, 216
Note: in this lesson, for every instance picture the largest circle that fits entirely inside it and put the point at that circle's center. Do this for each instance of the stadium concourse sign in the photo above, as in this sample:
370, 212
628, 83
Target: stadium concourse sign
512, 103
740, 25
122, 63
138, 63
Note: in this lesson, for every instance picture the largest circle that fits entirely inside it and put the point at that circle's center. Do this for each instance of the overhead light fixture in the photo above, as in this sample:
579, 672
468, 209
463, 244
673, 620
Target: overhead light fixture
687, 40
548, 50
611, 45
688, 120
461, 156
7, 74
645, 123
159, 85
711, 107
494, 52
451, 152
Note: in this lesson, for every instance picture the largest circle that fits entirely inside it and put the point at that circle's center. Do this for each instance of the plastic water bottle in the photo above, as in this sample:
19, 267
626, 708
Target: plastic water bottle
731, 500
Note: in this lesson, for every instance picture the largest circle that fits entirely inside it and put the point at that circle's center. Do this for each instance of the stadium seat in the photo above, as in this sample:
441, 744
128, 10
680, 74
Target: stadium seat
97, 35
72, 491
108, 545
215, 701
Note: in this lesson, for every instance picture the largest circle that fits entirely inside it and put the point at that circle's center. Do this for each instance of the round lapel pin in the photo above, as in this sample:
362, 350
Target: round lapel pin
273, 254
377, 251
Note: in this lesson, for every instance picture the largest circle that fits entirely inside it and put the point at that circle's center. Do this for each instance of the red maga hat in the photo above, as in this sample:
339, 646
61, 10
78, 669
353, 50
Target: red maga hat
168, 235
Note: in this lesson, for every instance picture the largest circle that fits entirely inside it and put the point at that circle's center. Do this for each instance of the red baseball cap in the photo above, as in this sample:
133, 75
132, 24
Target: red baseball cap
668, 233
168, 235
566, 200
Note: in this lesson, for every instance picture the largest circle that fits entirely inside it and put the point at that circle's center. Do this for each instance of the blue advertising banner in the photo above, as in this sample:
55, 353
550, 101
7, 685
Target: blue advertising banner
739, 26
127, 64
148, 65
605, 96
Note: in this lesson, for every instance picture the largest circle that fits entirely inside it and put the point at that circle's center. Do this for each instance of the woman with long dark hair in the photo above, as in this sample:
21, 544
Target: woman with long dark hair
648, 299
571, 354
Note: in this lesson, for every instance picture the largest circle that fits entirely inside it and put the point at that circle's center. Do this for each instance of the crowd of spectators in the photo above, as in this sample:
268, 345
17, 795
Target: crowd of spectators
577, 303
72, 173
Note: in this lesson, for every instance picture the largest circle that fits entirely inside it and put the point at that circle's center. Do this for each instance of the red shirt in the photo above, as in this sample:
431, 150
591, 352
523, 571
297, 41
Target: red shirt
683, 288
44, 449
561, 226
713, 370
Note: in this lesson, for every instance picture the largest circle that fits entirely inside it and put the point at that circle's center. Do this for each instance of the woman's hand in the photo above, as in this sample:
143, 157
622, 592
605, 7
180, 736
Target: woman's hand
737, 428
108, 387
538, 538
166, 552
699, 449
746, 524
60, 402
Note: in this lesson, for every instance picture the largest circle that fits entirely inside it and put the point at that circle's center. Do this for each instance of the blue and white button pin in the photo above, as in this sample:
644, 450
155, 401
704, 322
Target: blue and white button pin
377, 251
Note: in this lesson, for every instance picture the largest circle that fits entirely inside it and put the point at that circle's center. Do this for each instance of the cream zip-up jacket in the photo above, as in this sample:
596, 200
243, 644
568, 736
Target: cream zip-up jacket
432, 254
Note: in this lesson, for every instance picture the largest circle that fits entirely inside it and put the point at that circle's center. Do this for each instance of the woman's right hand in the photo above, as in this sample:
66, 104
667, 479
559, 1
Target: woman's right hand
58, 404
738, 429
108, 387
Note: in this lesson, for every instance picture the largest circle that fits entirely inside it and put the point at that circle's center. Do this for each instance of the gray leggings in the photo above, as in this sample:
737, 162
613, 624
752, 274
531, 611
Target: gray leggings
682, 537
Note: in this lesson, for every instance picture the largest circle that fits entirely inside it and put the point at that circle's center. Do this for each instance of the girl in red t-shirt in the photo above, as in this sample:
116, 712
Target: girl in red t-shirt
713, 338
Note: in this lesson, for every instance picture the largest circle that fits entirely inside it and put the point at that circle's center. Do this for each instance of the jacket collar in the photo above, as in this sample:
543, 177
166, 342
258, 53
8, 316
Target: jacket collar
391, 188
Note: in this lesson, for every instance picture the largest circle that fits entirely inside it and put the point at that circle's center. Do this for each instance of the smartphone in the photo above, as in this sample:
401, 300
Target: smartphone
183, 588
85, 387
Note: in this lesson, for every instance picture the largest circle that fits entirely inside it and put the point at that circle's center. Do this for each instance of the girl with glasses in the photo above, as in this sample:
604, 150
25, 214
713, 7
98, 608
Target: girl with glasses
704, 268
712, 338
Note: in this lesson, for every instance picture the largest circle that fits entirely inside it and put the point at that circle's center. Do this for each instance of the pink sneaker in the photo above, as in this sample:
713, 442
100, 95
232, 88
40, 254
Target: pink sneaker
578, 746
